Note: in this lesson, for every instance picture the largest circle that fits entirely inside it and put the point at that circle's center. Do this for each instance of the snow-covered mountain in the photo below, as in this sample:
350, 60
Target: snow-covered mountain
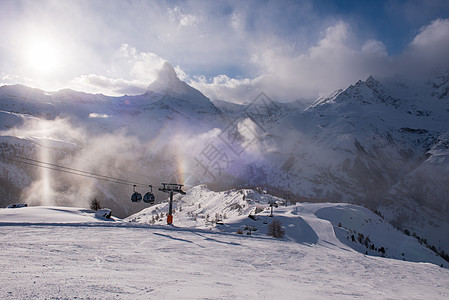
383, 144
366, 145
167, 83
167, 98
168, 92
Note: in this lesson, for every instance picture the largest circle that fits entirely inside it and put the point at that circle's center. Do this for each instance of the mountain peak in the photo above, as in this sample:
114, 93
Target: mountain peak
166, 80
373, 83
167, 74
167, 83
177, 93
370, 79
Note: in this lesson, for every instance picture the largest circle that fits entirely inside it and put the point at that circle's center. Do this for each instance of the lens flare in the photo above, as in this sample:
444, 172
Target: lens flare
44, 155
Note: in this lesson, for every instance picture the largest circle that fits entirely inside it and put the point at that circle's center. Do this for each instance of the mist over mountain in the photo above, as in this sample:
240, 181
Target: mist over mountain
383, 144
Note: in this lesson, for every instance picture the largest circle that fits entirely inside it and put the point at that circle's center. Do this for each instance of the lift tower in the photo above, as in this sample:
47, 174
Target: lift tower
171, 188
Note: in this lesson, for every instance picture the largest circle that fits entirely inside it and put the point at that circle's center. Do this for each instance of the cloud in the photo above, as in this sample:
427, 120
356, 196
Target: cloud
131, 73
223, 87
337, 60
113, 87
142, 66
373, 46
7, 79
183, 19
427, 52
334, 62
433, 34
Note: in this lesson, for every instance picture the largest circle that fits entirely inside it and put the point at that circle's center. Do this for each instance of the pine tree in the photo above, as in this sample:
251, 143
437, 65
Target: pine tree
275, 229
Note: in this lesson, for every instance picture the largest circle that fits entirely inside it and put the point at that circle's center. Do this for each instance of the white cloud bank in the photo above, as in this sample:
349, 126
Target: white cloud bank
428, 51
130, 73
336, 61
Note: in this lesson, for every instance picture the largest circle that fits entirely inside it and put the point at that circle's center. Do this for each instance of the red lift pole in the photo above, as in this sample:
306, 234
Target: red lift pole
171, 188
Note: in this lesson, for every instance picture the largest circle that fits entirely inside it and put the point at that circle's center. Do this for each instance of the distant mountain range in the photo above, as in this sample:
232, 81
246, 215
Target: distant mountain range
382, 144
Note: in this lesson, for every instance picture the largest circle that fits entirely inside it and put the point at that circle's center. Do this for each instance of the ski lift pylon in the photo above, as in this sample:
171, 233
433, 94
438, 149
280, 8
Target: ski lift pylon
171, 188
136, 197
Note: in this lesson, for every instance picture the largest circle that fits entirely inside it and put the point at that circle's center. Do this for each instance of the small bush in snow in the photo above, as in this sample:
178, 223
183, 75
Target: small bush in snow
95, 204
360, 237
275, 229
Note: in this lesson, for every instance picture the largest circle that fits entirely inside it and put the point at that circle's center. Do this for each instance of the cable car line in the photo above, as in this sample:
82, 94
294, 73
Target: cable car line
85, 172
149, 198
73, 171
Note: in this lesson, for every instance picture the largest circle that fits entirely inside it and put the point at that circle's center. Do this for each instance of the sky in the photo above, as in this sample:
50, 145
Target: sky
229, 50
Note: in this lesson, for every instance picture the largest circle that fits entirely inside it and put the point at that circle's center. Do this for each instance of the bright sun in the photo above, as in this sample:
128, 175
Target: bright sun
43, 56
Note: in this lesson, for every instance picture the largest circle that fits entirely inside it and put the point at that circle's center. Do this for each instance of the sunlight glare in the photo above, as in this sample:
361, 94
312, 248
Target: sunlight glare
43, 56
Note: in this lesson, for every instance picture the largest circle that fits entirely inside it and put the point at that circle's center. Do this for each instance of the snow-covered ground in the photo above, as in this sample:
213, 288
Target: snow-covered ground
344, 225
49, 214
60, 253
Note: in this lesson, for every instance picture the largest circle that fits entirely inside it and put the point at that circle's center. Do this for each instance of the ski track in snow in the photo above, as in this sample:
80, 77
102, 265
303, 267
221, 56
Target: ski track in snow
113, 262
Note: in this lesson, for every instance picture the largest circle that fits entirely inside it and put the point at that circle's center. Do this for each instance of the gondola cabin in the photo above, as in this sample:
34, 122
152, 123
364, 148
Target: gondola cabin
148, 198
136, 197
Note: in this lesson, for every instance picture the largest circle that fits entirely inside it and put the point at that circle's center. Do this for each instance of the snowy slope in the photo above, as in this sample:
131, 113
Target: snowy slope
128, 260
141, 263
305, 223
48, 214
